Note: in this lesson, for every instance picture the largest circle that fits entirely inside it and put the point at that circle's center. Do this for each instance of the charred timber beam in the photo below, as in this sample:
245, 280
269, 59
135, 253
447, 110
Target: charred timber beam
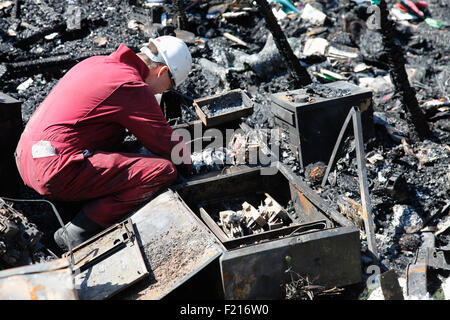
396, 62
417, 272
192, 4
444, 211
298, 73
15, 13
180, 16
22, 68
66, 29
390, 287
33, 38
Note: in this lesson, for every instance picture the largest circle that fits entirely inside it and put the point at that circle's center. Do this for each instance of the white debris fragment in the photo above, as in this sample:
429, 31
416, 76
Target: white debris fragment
253, 215
51, 36
11, 32
5, 4
341, 54
420, 297
401, 15
315, 46
230, 222
237, 14
378, 84
211, 159
101, 42
135, 25
443, 226
446, 288
270, 215
381, 179
313, 15
332, 74
374, 158
437, 103
24, 85
279, 14
405, 217
377, 293
361, 67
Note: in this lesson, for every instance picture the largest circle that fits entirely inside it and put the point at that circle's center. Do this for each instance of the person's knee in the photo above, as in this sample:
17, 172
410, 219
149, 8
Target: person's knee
170, 171
162, 172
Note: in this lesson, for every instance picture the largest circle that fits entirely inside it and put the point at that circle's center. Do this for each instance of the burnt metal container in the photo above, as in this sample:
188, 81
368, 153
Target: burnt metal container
312, 117
222, 108
176, 247
183, 251
319, 243
172, 104
176, 106
11, 128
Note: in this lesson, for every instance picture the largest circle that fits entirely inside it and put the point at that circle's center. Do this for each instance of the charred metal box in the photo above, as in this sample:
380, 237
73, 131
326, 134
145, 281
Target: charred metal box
214, 111
10, 129
224, 107
317, 242
179, 110
312, 117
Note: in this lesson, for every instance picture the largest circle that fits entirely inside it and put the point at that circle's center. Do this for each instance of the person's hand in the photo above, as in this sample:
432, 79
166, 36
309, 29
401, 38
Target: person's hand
188, 168
185, 169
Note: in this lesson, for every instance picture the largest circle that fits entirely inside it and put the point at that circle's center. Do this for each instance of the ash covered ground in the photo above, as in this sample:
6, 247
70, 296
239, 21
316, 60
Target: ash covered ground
409, 180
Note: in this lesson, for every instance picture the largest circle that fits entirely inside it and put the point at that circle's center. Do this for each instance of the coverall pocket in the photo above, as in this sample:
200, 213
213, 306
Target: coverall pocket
42, 171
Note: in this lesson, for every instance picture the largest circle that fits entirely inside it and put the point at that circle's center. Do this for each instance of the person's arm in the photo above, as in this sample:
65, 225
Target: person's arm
143, 117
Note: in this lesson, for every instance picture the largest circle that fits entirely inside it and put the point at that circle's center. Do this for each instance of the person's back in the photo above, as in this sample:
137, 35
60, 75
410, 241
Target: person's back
77, 115
67, 112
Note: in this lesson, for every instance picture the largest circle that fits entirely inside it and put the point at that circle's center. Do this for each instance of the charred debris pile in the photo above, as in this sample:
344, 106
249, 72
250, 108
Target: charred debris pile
408, 173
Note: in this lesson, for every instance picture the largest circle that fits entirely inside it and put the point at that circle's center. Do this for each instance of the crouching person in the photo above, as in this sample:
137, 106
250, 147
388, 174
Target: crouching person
67, 150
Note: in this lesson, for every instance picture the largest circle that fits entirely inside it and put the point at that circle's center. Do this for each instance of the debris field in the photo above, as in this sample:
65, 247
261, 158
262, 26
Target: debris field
402, 190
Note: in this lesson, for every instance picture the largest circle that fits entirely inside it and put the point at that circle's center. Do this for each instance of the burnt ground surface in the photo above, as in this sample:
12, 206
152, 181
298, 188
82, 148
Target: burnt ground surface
409, 182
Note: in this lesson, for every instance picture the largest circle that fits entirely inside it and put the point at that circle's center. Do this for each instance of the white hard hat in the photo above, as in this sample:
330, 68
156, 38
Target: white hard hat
176, 56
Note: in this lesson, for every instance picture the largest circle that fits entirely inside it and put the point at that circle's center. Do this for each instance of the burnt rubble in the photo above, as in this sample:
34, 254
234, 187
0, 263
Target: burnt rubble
408, 178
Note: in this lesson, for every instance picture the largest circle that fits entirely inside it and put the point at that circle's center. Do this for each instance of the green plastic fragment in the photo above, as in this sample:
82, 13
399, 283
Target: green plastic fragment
435, 23
328, 77
287, 6
376, 1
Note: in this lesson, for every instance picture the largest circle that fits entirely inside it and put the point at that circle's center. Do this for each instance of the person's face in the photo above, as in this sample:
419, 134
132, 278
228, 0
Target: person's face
160, 80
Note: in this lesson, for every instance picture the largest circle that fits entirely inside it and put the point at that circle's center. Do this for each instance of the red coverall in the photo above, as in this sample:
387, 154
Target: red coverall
66, 151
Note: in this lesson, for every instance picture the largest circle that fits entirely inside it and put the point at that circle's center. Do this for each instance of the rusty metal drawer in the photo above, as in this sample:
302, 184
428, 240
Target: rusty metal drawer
283, 113
321, 244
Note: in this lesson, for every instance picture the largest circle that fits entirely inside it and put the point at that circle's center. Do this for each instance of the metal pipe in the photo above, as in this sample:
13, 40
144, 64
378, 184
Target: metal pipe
337, 146
363, 186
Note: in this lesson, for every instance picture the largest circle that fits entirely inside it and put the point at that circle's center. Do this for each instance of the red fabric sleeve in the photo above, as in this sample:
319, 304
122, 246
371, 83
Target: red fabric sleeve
143, 117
